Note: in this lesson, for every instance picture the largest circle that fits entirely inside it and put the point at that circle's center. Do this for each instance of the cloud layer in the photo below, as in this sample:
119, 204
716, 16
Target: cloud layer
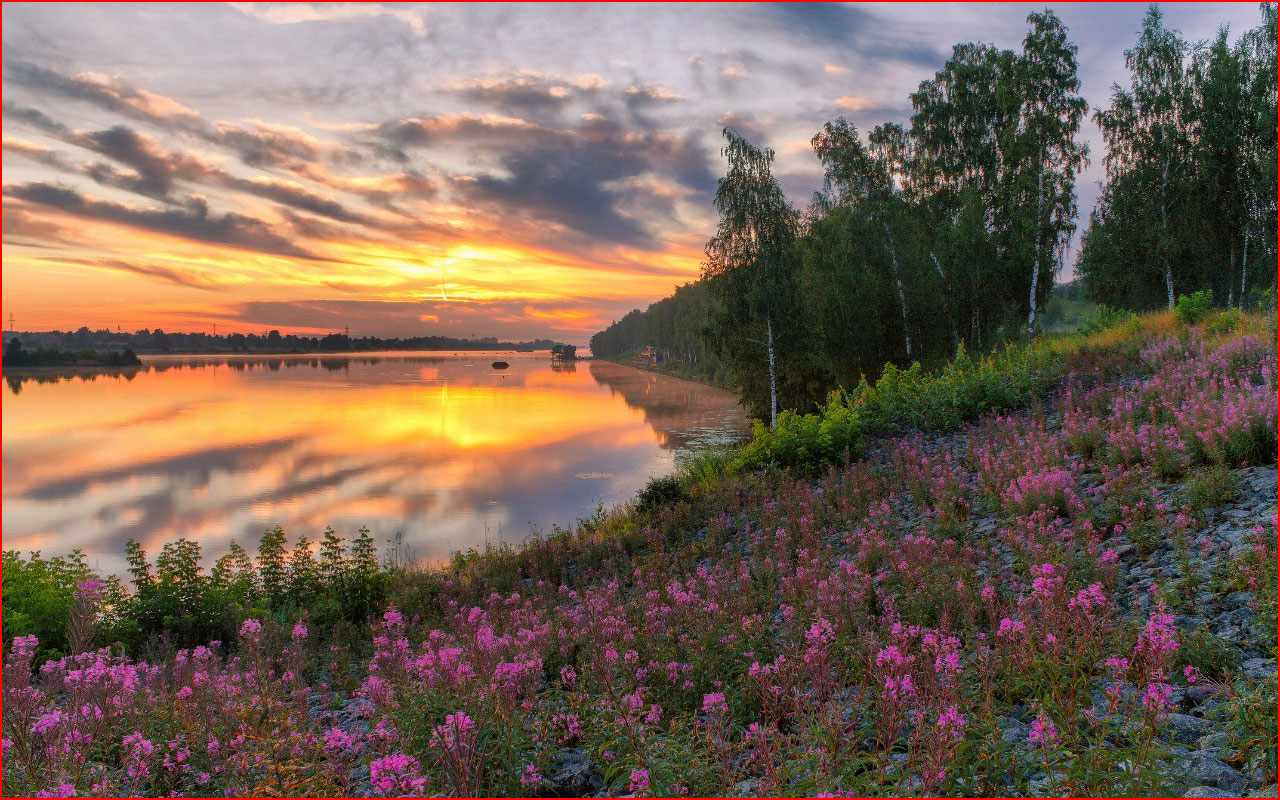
490, 169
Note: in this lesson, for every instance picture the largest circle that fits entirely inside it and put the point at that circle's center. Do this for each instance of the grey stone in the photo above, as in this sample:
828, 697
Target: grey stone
1207, 791
1013, 732
1185, 728
1198, 694
1206, 770
1238, 598
574, 775
1269, 791
1259, 669
1215, 742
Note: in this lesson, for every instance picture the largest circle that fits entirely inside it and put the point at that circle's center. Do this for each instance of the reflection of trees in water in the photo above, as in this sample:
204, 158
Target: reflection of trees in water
564, 366
16, 380
683, 413
272, 363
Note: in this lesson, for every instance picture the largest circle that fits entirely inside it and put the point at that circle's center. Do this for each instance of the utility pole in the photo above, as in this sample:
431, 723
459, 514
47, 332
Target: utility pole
10, 322
346, 331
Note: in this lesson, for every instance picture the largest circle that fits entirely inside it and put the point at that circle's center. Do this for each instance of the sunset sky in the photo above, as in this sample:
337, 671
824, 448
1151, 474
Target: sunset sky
514, 171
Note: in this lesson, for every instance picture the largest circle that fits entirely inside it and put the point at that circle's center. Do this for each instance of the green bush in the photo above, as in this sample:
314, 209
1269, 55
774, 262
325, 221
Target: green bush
1215, 486
661, 492
1193, 307
707, 468
39, 595
1224, 322
1103, 318
1213, 657
806, 442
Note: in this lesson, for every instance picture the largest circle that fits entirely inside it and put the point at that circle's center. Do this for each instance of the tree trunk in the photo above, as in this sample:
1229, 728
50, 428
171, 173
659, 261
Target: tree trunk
773, 377
1244, 265
951, 314
1164, 234
1035, 262
902, 294
1231, 266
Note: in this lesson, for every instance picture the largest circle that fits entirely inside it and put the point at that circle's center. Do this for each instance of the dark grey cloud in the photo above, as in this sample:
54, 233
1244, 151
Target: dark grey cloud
107, 93
154, 171
194, 222
32, 117
174, 276
522, 93
157, 169
848, 27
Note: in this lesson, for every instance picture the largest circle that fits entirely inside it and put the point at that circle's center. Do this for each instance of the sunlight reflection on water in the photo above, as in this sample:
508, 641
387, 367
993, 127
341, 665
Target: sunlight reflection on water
438, 447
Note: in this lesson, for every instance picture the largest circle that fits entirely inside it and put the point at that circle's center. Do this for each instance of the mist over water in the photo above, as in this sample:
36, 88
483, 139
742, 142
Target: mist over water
437, 447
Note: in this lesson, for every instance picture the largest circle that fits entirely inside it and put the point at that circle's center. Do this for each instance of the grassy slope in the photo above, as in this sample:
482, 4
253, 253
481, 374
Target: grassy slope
635, 651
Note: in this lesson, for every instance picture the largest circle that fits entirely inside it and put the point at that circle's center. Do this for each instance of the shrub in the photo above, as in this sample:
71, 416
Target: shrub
707, 468
1224, 322
1215, 486
1103, 318
1212, 656
39, 594
1193, 307
660, 492
807, 442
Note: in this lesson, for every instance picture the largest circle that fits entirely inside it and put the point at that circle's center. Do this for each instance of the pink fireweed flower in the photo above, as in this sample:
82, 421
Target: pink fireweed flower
530, 777
988, 592
1157, 639
1010, 628
448, 734
889, 655
951, 719
714, 703
569, 676
1158, 698
299, 632
337, 741
396, 773
639, 781
88, 589
48, 722
1046, 581
1191, 674
251, 629
1043, 734
1088, 599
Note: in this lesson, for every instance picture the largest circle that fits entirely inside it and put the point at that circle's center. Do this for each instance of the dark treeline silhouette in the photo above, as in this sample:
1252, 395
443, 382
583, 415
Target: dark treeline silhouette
950, 231
16, 354
161, 341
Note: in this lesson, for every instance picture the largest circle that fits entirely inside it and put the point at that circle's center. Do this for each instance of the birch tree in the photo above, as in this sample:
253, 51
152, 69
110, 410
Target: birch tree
750, 265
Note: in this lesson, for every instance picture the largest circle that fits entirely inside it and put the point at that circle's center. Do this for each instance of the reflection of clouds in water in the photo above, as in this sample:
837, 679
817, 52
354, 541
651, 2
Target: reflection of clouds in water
434, 448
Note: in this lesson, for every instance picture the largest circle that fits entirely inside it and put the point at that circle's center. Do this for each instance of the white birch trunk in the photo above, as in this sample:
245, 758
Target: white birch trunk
902, 294
773, 378
1244, 265
1035, 262
955, 334
1164, 231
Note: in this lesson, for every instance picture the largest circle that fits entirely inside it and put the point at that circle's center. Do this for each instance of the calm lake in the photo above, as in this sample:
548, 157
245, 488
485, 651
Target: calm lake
437, 447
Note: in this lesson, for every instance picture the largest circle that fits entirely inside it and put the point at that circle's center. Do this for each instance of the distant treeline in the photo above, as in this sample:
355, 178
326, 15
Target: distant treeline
951, 230
160, 341
675, 326
17, 355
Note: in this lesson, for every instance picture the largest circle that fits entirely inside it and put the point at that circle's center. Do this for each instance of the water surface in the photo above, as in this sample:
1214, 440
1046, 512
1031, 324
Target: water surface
439, 448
